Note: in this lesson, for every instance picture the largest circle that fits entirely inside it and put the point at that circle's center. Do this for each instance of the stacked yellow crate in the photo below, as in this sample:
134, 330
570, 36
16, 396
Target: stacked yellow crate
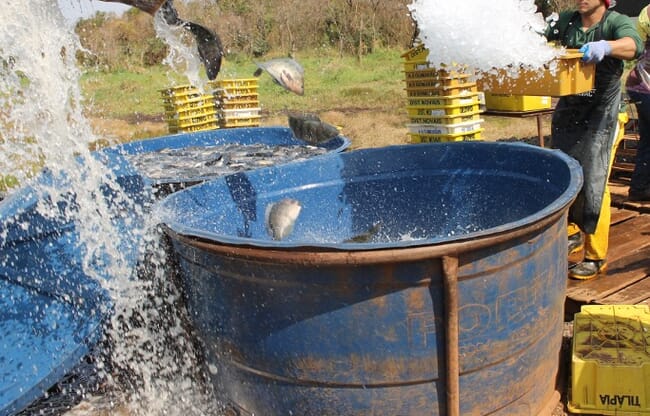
188, 110
237, 102
443, 103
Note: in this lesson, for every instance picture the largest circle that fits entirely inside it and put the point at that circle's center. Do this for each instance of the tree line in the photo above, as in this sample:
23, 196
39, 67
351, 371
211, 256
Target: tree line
283, 27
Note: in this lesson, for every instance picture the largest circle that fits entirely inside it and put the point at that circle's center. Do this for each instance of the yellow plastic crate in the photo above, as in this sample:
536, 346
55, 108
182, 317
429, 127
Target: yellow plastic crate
437, 82
444, 100
416, 60
179, 90
445, 119
508, 102
429, 72
442, 110
237, 91
240, 122
418, 53
572, 77
445, 129
234, 83
444, 138
223, 96
238, 104
241, 113
204, 110
417, 66
213, 125
188, 101
191, 121
460, 89
610, 368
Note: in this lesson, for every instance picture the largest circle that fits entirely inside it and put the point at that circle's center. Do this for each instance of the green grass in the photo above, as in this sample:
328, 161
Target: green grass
331, 82
122, 94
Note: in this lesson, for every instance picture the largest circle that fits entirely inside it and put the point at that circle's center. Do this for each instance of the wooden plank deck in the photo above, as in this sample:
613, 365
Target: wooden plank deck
627, 280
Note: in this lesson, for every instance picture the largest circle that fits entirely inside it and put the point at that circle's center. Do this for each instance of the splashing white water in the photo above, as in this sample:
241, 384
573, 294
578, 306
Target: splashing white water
182, 56
483, 35
42, 124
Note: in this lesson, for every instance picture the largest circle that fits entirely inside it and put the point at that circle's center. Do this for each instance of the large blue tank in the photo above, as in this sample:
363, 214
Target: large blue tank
454, 306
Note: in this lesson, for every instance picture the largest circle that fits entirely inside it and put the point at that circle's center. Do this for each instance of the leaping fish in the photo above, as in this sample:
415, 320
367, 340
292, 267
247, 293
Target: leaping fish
281, 216
286, 72
208, 43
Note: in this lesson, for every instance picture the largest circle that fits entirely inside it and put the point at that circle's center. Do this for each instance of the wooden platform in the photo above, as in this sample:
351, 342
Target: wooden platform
627, 280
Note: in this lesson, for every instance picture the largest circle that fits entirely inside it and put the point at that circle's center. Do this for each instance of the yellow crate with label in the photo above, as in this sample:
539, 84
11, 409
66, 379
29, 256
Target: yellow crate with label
442, 110
253, 121
445, 119
610, 366
441, 90
445, 129
437, 82
416, 59
238, 104
566, 75
444, 100
187, 101
179, 91
204, 110
240, 113
425, 71
516, 103
191, 121
244, 83
445, 138
211, 125
418, 53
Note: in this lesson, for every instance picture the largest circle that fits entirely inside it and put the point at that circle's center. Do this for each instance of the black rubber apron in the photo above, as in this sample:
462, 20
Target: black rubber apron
584, 127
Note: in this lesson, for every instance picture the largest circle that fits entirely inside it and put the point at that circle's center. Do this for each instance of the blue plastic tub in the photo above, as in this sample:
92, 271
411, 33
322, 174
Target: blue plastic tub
459, 295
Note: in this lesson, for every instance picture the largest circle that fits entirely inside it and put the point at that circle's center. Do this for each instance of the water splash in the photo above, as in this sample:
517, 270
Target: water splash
151, 363
182, 56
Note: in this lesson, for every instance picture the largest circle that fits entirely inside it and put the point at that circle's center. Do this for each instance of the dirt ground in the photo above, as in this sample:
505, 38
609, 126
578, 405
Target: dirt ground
364, 127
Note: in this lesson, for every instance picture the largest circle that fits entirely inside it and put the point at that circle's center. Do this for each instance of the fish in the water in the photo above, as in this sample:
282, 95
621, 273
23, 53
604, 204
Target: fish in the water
286, 72
214, 161
310, 128
366, 236
281, 216
208, 43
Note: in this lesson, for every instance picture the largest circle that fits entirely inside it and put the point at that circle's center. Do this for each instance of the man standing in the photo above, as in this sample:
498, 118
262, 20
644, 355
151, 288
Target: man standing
585, 126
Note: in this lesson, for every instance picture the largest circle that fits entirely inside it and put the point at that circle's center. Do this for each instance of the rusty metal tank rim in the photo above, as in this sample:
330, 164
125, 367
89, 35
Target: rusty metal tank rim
334, 257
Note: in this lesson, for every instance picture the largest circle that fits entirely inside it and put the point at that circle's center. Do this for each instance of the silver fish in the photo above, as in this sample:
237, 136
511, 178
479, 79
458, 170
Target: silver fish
208, 43
286, 72
281, 216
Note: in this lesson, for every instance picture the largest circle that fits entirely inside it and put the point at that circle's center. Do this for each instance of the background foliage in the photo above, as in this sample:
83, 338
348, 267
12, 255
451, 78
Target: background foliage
281, 27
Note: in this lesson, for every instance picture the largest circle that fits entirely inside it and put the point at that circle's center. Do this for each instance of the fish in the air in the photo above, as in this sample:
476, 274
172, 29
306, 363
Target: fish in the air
208, 43
286, 72
310, 128
281, 216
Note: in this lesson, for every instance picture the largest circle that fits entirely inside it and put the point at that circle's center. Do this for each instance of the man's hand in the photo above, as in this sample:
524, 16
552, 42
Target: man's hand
594, 52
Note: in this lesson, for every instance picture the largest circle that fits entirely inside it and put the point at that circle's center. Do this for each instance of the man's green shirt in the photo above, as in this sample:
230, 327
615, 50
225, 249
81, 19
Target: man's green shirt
616, 26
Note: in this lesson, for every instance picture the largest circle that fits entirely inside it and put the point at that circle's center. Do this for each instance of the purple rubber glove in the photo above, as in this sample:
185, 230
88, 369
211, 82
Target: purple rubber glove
594, 52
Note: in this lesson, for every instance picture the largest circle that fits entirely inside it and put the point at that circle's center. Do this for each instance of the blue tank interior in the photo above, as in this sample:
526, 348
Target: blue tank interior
420, 194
